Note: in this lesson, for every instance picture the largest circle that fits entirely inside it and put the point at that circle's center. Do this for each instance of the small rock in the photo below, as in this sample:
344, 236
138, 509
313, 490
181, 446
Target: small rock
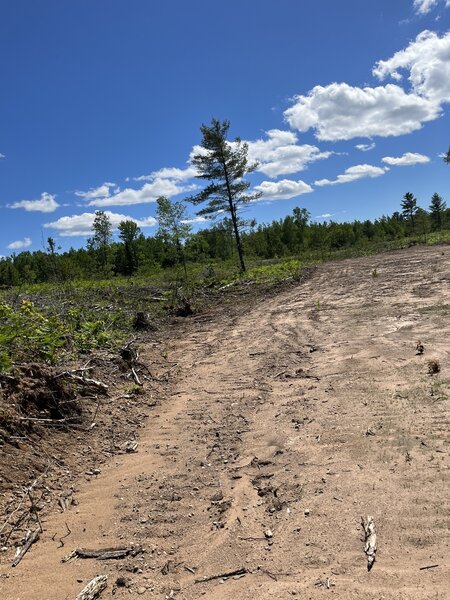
307, 512
268, 533
141, 590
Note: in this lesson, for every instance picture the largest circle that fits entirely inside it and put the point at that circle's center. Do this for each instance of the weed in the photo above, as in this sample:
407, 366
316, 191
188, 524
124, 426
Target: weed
433, 367
27, 333
374, 273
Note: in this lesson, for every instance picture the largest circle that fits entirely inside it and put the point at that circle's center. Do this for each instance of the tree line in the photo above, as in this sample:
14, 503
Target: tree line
223, 165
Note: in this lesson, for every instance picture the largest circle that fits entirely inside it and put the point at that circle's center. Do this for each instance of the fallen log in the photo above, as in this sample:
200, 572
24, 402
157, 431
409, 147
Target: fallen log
94, 588
370, 547
103, 553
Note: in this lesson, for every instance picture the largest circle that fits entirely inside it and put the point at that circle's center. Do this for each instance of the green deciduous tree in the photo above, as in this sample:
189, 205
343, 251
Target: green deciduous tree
409, 207
173, 227
100, 242
437, 210
127, 259
224, 165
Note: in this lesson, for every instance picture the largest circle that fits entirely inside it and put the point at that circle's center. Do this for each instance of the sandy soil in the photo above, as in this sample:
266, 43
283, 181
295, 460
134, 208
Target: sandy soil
298, 415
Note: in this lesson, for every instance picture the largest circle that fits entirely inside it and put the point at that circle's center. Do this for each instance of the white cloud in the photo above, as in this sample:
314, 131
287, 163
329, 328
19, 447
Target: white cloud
280, 154
2, 156
427, 59
100, 192
45, 204
19, 244
409, 158
354, 173
282, 190
324, 216
365, 147
80, 225
341, 112
169, 173
422, 7
197, 219
149, 192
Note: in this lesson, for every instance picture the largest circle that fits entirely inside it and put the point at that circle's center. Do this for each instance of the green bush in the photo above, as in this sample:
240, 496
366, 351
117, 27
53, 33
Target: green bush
28, 334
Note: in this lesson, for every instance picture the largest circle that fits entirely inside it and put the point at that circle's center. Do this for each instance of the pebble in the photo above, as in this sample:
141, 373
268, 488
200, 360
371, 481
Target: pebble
141, 590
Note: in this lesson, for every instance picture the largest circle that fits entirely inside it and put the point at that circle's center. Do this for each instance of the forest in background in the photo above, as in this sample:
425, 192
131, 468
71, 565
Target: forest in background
295, 236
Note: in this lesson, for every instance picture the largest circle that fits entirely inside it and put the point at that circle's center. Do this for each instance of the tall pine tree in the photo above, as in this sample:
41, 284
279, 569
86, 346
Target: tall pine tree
224, 165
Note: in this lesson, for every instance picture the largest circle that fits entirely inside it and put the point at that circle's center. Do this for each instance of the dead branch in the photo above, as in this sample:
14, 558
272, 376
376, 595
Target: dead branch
69, 531
19, 506
102, 387
370, 547
135, 376
30, 538
242, 571
94, 588
104, 553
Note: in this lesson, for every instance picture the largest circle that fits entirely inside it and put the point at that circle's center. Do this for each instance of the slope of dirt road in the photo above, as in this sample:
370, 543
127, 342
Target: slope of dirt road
284, 426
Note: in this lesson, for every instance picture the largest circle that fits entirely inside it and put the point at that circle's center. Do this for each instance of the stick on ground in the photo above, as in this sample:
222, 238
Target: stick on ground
221, 575
93, 589
370, 547
31, 537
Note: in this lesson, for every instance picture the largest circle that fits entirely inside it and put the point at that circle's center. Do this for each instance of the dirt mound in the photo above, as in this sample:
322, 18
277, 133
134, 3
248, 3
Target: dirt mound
36, 392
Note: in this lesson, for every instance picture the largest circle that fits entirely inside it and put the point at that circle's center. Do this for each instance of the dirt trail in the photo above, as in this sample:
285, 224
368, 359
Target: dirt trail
299, 416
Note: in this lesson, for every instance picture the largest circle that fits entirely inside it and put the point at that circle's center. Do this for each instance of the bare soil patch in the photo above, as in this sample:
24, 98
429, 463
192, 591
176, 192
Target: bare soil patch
286, 421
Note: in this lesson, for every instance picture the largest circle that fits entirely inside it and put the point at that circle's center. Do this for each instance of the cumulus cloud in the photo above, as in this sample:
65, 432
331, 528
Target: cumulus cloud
20, 244
149, 192
81, 225
354, 173
422, 7
427, 61
282, 190
45, 204
365, 147
99, 192
341, 112
280, 154
169, 173
409, 158
197, 219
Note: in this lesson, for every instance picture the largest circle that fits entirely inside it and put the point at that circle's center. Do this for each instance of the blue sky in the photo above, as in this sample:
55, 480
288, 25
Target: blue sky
345, 104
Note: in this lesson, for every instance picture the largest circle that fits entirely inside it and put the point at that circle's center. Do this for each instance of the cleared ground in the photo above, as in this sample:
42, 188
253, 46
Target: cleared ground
299, 415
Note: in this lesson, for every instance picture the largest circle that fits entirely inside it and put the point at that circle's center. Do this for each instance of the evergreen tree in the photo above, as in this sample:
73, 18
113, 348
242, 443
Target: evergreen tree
437, 210
225, 165
447, 157
409, 207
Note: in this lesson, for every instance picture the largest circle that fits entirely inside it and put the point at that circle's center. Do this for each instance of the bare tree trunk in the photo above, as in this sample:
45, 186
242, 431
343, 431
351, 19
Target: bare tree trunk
234, 219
